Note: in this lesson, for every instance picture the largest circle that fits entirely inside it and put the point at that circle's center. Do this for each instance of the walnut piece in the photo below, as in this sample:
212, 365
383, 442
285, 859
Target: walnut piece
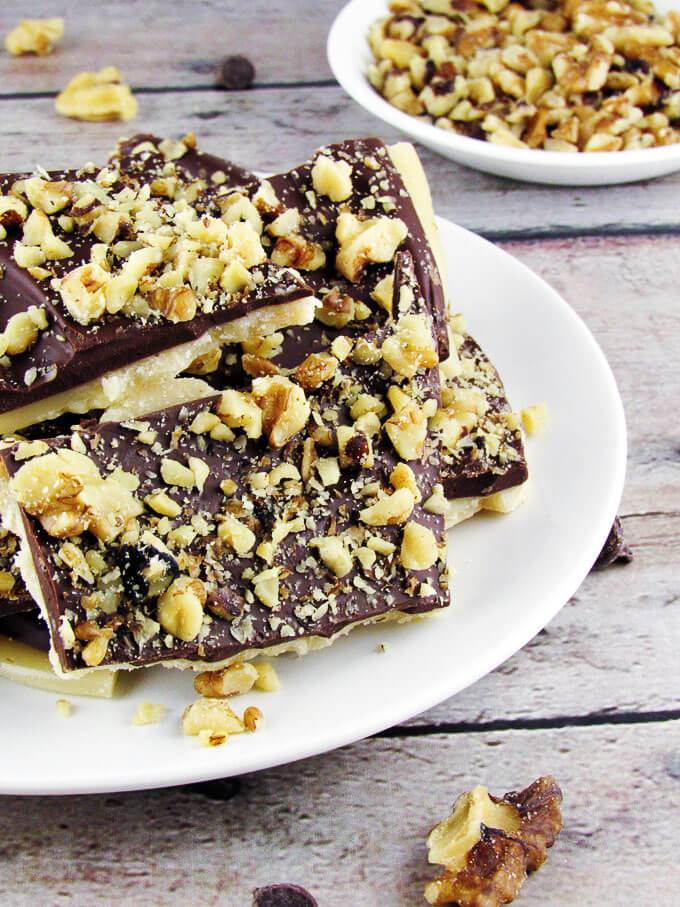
230, 681
180, 608
411, 347
487, 845
332, 178
65, 491
363, 242
97, 96
285, 408
35, 36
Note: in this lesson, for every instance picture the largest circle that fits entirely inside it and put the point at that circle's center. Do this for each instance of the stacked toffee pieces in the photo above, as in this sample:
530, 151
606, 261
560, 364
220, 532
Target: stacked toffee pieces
237, 415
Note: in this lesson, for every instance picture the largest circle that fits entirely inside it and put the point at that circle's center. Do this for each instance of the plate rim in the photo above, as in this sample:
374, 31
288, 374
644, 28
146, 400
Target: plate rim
341, 64
135, 777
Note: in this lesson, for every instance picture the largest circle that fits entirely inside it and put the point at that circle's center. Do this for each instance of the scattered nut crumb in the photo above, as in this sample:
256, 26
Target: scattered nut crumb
208, 738
96, 96
148, 713
64, 708
35, 36
534, 418
488, 844
230, 681
381, 648
267, 678
252, 718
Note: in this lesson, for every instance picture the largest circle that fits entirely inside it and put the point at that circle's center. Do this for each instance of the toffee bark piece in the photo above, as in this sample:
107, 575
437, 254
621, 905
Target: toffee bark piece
104, 269
273, 518
14, 596
483, 460
341, 217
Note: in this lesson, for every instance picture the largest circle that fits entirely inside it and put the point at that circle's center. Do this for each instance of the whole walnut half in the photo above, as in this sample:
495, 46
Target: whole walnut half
488, 844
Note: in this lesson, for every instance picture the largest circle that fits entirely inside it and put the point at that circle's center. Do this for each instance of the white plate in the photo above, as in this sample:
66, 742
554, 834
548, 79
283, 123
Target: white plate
349, 56
512, 575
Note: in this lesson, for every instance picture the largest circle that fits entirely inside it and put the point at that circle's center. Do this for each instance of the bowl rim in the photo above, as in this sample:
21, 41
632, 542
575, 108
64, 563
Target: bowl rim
354, 81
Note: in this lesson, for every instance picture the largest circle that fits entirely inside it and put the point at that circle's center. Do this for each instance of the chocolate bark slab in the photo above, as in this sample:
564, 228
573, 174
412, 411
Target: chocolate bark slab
284, 539
158, 273
483, 460
343, 187
14, 597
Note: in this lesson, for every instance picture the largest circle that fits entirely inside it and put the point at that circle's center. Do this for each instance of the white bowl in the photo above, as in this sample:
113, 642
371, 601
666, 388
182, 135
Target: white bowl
349, 56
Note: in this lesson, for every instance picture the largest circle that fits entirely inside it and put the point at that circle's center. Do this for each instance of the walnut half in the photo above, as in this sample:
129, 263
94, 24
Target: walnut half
487, 845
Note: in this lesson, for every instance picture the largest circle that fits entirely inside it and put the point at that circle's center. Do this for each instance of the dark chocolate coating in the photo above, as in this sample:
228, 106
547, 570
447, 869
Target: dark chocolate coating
27, 628
472, 471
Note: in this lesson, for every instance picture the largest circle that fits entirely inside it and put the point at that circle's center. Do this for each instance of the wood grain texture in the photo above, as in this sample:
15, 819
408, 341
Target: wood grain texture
273, 129
157, 44
351, 826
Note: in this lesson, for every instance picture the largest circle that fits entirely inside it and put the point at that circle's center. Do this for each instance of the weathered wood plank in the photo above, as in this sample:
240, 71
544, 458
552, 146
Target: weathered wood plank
615, 646
351, 825
157, 44
277, 128
626, 290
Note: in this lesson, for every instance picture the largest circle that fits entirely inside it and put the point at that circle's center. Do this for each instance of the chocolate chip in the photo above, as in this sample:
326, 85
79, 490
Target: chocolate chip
356, 450
615, 549
284, 895
235, 73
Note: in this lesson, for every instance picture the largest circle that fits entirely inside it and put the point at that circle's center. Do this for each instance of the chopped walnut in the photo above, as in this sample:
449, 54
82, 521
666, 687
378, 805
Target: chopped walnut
332, 178
285, 409
297, 252
97, 96
212, 715
35, 36
487, 845
407, 430
335, 554
411, 347
148, 713
230, 681
590, 76
65, 491
418, 548
337, 309
392, 509
180, 608
315, 370
534, 418
363, 242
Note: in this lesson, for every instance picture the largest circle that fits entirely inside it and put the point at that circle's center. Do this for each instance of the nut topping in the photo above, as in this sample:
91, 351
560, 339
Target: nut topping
364, 242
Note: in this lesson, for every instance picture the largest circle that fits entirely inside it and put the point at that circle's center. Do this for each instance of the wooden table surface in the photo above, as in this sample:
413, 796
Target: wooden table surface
592, 699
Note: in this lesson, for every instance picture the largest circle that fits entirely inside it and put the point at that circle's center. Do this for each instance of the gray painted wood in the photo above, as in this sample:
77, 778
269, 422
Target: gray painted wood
157, 44
351, 826
276, 128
